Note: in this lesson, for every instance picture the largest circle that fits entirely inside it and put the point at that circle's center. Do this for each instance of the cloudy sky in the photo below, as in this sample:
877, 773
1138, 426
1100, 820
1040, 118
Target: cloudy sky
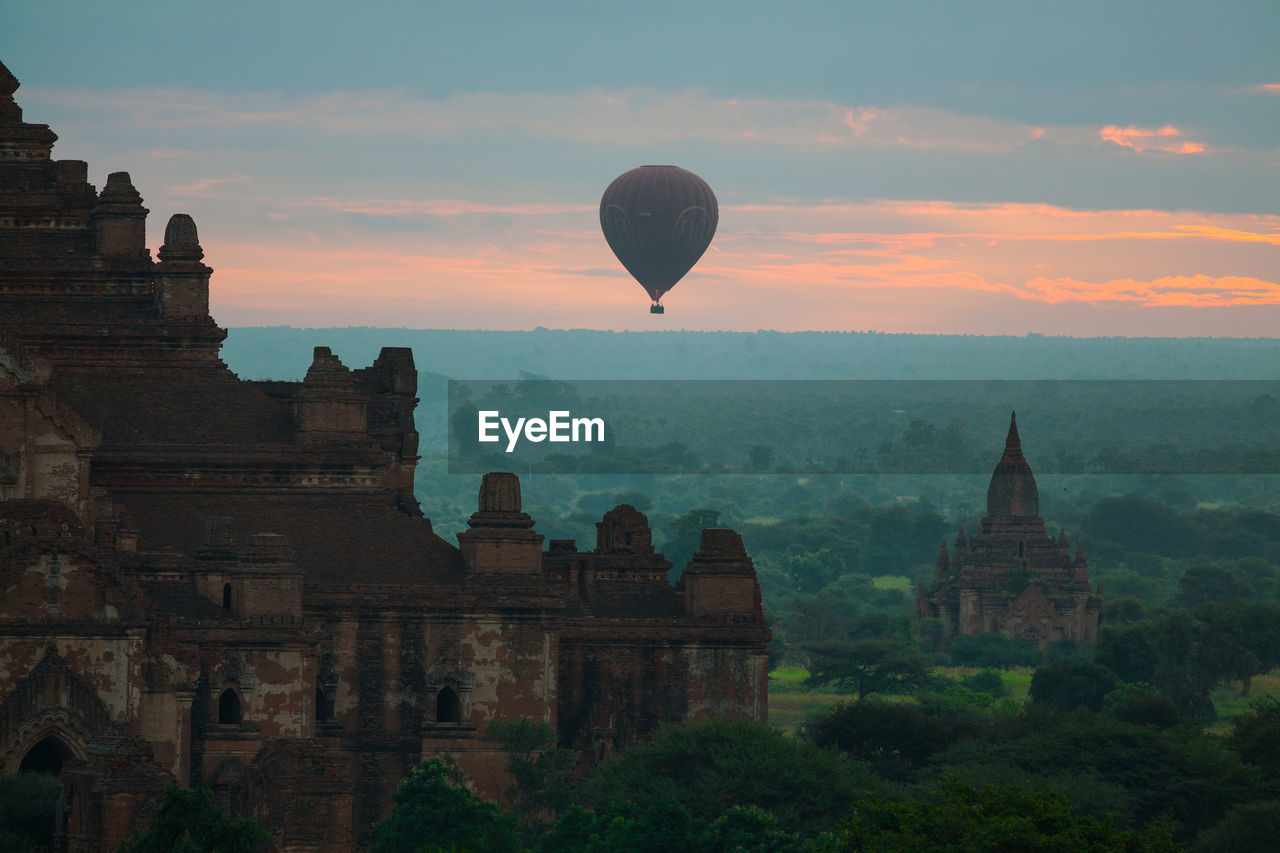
1082, 168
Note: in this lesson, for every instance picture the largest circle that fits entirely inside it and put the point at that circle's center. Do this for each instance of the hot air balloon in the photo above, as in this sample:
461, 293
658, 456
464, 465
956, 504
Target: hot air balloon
658, 220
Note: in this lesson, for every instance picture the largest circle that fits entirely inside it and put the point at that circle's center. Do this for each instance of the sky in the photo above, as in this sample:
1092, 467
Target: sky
1083, 168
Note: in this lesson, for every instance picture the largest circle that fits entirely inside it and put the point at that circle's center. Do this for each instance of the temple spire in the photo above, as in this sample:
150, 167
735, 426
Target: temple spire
10, 112
1012, 442
1012, 492
21, 140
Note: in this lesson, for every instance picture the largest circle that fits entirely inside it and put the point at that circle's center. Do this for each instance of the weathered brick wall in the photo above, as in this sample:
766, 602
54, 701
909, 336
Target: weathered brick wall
135, 455
619, 682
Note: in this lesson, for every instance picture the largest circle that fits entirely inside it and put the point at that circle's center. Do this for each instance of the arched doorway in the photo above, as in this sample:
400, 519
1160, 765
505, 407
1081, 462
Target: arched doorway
324, 706
39, 773
46, 757
229, 713
448, 706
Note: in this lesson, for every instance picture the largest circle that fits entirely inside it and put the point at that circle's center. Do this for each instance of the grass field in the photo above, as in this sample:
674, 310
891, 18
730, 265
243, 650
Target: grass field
1229, 703
788, 711
893, 582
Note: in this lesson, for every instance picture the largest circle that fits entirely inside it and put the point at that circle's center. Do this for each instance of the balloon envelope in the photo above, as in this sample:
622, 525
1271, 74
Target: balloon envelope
658, 220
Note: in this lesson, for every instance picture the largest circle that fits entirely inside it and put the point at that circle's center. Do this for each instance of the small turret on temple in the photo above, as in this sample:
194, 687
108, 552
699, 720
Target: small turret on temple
1011, 576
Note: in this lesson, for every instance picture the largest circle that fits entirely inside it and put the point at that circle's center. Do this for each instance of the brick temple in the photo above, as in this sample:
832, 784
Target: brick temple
1011, 576
211, 581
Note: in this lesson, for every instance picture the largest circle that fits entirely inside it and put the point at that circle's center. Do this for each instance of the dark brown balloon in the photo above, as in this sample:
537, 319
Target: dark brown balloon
658, 220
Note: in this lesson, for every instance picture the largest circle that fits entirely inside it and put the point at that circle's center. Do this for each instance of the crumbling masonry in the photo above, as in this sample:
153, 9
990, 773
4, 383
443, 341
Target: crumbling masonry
211, 581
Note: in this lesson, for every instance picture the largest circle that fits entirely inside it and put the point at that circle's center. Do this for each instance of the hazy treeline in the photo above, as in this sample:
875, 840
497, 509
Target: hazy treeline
868, 426
927, 424
282, 352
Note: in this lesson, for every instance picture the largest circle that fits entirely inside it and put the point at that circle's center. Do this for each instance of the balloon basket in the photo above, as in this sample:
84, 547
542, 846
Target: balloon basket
657, 309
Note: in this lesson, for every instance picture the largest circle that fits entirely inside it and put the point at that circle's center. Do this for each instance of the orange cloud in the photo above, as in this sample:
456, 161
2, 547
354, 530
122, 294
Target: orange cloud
780, 265
1216, 233
1150, 139
1199, 291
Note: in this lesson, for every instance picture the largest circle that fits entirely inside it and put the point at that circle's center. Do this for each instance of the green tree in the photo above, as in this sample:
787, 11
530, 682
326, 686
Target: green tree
1180, 656
880, 665
749, 829
1192, 658
992, 650
1138, 524
667, 826
777, 648
664, 825
1141, 705
1255, 735
1127, 584
686, 535
895, 739
1123, 610
761, 456
1070, 684
694, 521
1135, 772
431, 810
931, 632
1254, 626
577, 830
679, 457
715, 764
187, 820
957, 816
1128, 650
539, 768
810, 571
1206, 583
986, 681
1259, 574
1246, 828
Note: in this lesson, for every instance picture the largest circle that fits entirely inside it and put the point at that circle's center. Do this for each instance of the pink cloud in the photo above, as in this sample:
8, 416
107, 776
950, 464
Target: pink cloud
205, 186
432, 206
634, 116
1167, 139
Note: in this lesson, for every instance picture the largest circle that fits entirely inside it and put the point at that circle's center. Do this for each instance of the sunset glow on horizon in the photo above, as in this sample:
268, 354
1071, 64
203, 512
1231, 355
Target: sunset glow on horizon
953, 195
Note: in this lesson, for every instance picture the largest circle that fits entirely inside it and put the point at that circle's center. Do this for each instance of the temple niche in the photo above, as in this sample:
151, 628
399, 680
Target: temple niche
208, 581
1010, 576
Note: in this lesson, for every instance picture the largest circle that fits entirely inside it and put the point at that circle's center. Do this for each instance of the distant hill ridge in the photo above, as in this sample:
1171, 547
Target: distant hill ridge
283, 352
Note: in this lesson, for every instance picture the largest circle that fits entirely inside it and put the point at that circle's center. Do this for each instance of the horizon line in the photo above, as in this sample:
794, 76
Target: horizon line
868, 332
